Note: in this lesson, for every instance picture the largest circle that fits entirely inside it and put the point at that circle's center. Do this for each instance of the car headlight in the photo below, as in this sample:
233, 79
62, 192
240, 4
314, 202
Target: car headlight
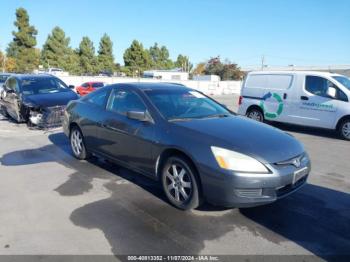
232, 160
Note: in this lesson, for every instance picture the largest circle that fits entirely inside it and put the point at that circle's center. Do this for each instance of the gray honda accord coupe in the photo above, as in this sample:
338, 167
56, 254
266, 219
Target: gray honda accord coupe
195, 147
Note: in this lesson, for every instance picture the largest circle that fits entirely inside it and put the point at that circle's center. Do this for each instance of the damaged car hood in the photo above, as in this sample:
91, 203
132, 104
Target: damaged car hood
50, 99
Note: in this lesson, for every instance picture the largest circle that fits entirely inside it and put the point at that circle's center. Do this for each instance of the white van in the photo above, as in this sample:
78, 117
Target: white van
316, 99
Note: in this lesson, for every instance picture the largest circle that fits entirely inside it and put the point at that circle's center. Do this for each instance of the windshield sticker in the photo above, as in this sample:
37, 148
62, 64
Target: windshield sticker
279, 109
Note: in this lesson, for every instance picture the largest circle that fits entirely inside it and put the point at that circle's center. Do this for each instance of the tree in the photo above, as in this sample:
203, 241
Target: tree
56, 51
87, 58
226, 71
184, 63
136, 58
200, 69
160, 57
7, 64
105, 54
22, 48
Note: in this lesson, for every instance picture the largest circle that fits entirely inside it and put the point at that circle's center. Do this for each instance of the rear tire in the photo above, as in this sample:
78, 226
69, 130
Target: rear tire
256, 115
180, 183
77, 144
344, 129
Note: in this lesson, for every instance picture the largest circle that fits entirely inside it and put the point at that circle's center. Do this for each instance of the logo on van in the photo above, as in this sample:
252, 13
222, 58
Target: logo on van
280, 105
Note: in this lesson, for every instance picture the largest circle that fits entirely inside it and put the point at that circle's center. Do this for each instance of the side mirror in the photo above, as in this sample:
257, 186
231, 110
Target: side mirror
71, 86
332, 92
139, 115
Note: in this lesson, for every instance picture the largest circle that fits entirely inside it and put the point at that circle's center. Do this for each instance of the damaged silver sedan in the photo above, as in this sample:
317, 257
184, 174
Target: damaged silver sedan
38, 100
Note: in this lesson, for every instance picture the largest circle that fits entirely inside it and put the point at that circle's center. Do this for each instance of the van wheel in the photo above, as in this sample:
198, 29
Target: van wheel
344, 129
255, 114
180, 184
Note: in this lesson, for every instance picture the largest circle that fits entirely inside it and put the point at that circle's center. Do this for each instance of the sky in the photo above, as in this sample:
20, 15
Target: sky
299, 32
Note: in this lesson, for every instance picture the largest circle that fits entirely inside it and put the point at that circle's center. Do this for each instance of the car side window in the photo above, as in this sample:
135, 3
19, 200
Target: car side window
122, 101
98, 98
85, 85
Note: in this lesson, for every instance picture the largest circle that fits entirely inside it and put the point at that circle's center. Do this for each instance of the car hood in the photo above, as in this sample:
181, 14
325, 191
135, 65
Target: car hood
50, 99
263, 142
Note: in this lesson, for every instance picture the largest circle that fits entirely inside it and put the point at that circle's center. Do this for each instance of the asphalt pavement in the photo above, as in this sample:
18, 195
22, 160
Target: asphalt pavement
53, 204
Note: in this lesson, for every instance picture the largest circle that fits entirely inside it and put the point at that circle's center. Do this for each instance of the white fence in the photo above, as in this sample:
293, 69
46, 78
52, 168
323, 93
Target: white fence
207, 87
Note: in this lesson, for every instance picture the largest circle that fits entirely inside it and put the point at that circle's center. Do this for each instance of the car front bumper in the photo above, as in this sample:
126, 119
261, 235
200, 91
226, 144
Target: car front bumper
226, 188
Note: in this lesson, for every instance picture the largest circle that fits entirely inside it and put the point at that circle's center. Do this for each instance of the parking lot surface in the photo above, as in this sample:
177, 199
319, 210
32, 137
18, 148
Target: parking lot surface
51, 203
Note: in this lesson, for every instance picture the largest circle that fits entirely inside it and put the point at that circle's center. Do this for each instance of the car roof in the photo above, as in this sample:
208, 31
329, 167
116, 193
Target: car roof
31, 76
154, 86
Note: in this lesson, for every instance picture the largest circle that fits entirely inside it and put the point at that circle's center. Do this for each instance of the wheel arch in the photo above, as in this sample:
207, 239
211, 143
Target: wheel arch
168, 152
72, 125
255, 106
341, 120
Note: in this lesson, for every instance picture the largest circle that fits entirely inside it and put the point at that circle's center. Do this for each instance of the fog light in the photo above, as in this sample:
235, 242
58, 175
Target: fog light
250, 192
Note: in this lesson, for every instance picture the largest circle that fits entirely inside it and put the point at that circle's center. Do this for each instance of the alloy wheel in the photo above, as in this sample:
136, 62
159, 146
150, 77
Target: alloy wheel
255, 115
178, 183
77, 142
346, 130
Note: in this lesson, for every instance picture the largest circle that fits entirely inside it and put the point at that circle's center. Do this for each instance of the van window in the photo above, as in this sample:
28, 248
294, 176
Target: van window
318, 86
278, 82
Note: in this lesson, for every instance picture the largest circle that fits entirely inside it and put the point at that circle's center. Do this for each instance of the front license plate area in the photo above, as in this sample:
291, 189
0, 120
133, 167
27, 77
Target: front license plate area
299, 174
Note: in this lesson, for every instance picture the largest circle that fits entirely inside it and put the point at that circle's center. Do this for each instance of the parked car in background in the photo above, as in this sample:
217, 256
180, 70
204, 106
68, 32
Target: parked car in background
88, 87
195, 147
38, 100
316, 99
56, 71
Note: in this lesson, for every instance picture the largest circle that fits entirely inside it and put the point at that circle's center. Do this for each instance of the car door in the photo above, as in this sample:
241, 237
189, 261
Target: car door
127, 140
91, 113
316, 107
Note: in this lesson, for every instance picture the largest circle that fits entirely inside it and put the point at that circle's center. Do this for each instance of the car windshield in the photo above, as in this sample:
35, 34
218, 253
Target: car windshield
185, 104
345, 81
32, 86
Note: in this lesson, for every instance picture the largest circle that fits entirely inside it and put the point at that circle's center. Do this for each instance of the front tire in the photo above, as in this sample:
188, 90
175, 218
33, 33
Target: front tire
78, 144
180, 183
344, 129
4, 112
256, 115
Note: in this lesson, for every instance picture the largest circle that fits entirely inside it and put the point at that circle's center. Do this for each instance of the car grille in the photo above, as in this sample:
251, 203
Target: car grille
52, 116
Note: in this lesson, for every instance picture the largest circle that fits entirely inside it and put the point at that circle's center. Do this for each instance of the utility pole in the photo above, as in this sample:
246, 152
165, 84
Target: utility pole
262, 63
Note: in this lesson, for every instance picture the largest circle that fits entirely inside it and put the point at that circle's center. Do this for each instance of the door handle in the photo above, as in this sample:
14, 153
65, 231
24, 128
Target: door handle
304, 98
110, 127
285, 96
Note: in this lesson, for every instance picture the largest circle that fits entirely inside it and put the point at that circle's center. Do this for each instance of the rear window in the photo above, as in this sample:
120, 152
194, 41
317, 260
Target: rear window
280, 82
